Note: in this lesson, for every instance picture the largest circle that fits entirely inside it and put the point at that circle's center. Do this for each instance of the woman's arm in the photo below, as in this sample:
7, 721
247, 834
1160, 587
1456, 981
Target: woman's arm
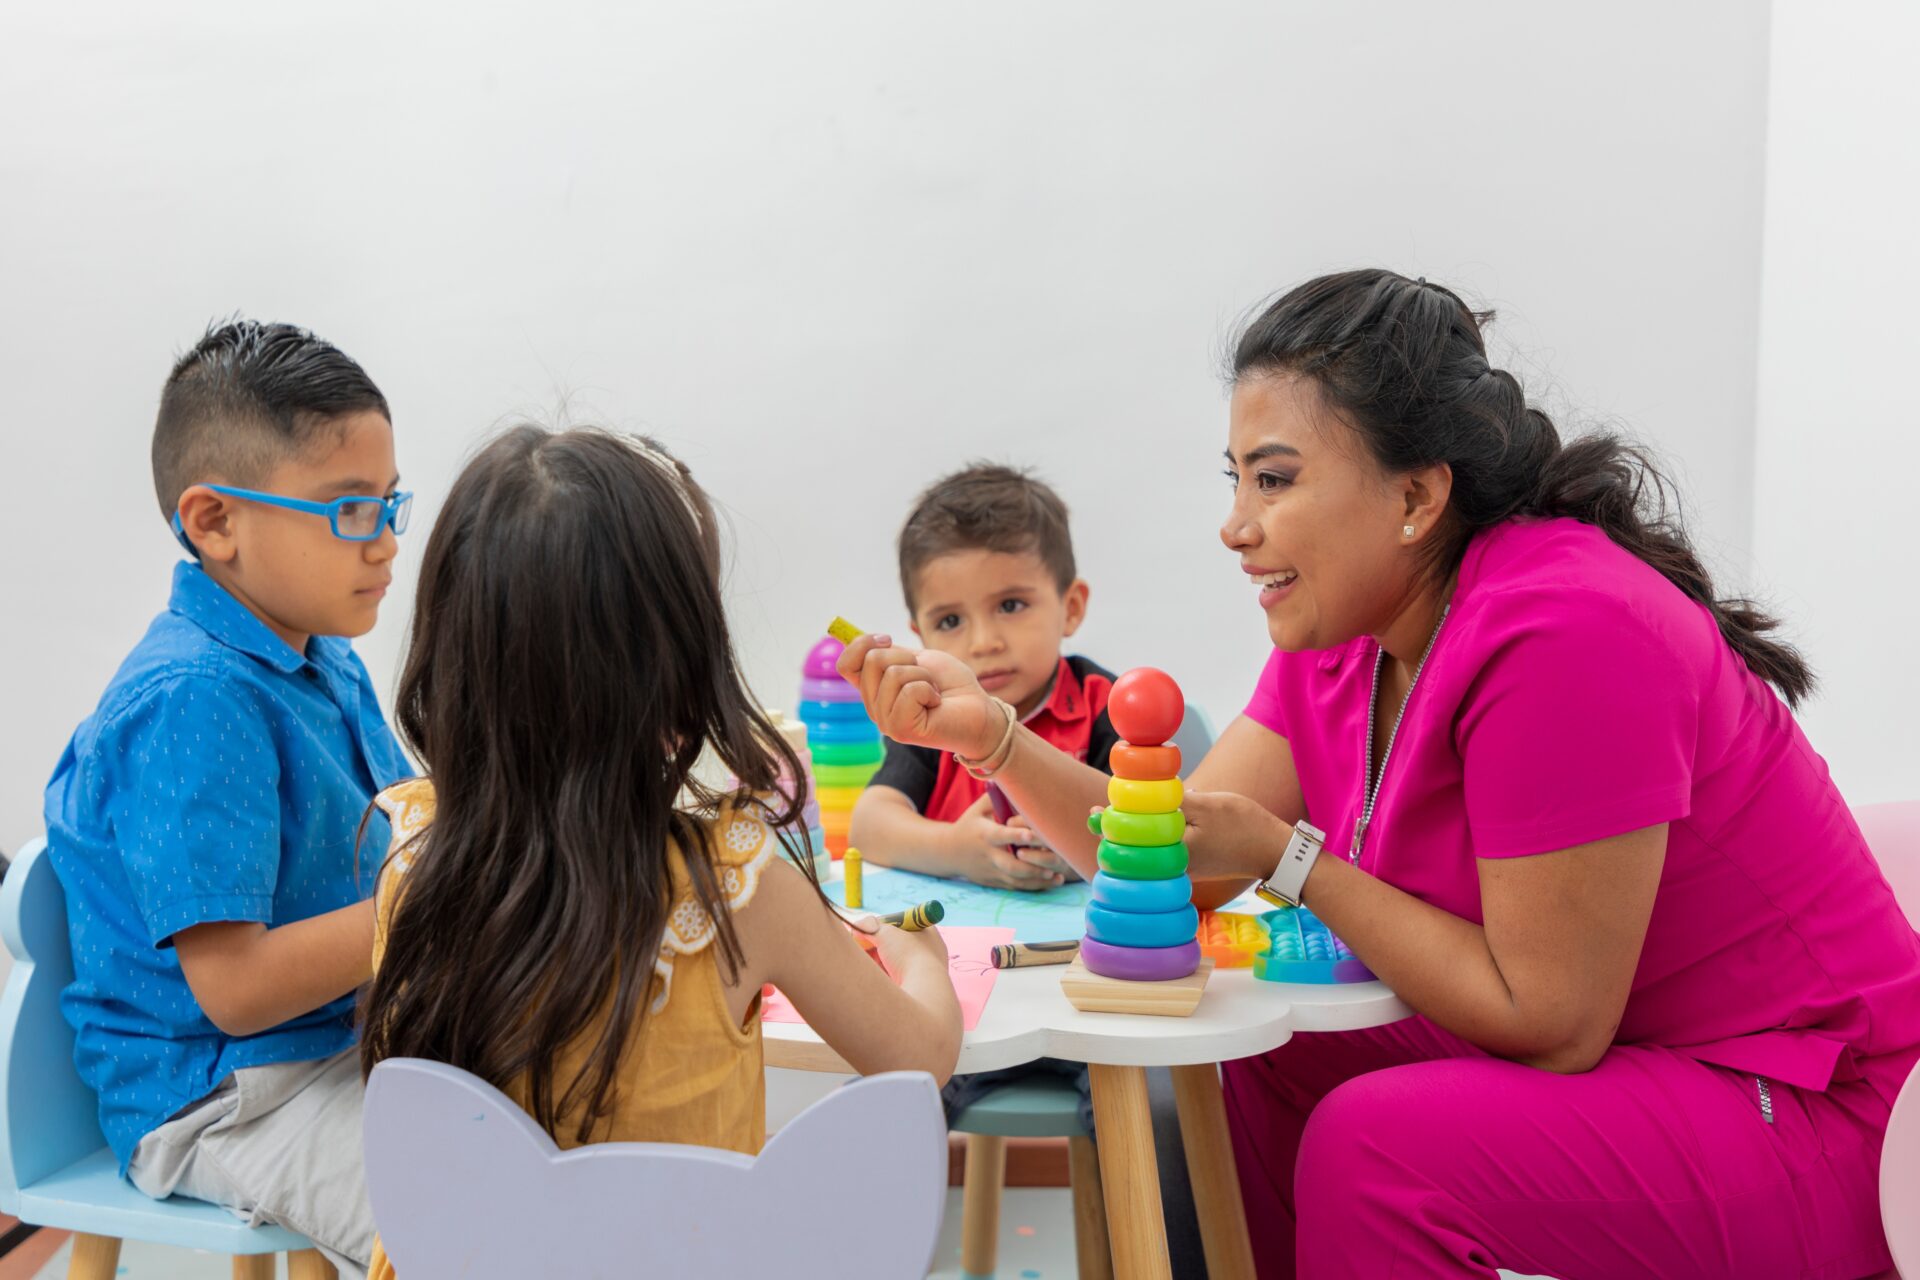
930, 699
1544, 981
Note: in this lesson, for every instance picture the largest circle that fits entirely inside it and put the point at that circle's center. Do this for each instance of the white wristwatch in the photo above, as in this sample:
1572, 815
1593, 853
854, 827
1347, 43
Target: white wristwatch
1282, 888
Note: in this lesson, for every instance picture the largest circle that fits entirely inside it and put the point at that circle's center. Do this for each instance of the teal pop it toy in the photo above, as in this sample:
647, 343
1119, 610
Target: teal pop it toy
1301, 949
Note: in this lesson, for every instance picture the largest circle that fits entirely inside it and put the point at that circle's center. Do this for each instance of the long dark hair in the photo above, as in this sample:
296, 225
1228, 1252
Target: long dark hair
1403, 363
568, 661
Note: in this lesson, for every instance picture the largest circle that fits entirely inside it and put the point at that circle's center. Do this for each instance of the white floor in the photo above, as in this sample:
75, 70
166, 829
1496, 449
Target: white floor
1036, 1243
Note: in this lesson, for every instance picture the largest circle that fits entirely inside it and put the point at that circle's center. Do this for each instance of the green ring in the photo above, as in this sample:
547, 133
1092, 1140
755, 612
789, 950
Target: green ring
847, 753
1122, 827
1143, 862
843, 775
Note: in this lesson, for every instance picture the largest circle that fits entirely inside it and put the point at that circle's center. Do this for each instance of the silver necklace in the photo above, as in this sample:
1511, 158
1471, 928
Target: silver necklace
1369, 784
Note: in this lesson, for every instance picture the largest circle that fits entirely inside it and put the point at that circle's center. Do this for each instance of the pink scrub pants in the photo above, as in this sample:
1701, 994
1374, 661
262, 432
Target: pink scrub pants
1402, 1151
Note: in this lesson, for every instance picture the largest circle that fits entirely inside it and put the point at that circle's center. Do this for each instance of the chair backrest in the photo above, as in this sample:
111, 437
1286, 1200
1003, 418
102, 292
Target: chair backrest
464, 1183
1194, 737
1893, 833
48, 1117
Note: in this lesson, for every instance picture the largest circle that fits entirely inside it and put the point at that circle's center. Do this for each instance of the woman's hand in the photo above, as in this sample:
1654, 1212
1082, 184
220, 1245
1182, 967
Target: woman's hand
924, 698
1230, 837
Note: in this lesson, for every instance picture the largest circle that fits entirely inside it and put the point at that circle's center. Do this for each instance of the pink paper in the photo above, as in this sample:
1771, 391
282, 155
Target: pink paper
969, 962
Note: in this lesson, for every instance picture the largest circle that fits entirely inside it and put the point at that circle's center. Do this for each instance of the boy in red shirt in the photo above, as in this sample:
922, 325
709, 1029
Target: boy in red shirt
986, 564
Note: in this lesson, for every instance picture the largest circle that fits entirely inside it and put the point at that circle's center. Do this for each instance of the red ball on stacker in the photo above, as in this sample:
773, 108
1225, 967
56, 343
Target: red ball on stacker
1146, 707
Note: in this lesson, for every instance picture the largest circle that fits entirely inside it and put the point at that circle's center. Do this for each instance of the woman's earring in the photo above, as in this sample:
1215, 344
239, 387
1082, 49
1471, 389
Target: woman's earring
1406, 531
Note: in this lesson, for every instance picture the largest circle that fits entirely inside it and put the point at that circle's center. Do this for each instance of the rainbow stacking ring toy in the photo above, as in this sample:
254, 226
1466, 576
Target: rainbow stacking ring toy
1141, 924
846, 745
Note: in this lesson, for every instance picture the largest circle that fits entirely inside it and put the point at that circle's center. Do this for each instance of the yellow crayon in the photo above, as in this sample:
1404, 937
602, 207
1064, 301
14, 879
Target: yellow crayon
850, 865
914, 919
843, 631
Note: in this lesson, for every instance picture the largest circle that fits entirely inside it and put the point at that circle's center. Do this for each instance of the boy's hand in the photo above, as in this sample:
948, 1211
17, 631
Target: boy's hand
923, 698
979, 845
1039, 853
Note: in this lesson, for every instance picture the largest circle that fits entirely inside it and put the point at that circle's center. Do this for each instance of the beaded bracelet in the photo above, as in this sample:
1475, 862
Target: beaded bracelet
992, 762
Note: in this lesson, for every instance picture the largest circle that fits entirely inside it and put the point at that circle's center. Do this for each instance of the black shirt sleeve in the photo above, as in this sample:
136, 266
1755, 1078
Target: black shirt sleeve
911, 771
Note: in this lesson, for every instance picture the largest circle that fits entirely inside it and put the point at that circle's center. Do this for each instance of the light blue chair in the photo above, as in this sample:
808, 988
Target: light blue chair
1044, 1108
55, 1167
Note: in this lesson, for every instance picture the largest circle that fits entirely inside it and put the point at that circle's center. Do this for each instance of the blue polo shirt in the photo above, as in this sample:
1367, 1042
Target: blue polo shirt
222, 777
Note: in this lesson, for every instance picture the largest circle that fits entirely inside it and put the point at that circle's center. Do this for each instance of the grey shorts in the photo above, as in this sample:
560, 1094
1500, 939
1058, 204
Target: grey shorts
277, 1144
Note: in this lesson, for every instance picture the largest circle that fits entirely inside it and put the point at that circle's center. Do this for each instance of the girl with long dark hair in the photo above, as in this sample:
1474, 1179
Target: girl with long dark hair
568, 912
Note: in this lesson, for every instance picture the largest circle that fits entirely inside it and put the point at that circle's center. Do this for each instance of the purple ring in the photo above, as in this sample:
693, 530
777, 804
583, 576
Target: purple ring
1139, 964
814, 689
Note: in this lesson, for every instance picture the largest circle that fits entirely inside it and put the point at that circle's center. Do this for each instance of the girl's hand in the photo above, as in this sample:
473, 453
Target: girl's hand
900, 951
1230, 837
923, 698
979, 845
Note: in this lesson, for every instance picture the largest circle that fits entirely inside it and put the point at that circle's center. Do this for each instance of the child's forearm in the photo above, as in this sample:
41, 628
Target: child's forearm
887, 830
932, 1043
249, 978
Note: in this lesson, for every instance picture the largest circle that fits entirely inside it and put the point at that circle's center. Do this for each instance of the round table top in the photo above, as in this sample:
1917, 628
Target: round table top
1028, 1017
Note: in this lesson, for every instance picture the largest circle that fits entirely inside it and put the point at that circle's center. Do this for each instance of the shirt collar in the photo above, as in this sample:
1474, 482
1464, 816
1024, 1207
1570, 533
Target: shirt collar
1067, 702
212, 608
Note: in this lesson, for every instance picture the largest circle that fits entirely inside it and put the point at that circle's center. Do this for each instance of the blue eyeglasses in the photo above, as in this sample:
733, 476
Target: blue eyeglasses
353, 519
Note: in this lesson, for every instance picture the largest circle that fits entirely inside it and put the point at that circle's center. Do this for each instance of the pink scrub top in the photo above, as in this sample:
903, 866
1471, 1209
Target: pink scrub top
1575, 694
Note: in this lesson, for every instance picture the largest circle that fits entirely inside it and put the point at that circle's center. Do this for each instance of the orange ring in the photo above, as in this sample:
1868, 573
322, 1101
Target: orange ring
1145, 764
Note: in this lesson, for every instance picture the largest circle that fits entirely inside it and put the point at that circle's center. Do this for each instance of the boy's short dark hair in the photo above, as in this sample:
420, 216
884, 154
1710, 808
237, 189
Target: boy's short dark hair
986, 507
246, 398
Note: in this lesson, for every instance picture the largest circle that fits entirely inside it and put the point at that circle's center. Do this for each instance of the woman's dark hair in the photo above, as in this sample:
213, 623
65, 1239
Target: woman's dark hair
1403, 363
568, 661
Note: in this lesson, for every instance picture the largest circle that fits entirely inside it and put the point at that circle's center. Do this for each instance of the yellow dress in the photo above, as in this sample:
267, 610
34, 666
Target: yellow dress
693, 1075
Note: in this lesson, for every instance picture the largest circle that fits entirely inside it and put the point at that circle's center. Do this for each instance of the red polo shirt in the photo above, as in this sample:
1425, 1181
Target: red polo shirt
1073, 718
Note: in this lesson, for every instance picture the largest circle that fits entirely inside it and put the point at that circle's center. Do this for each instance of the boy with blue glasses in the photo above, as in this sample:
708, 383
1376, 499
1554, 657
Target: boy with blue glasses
204, 819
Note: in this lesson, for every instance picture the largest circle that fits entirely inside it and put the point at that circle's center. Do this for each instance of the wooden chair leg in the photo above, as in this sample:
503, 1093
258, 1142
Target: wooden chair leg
310, 1264
94, 1258
253, 1266
1092, 1254
980, 1204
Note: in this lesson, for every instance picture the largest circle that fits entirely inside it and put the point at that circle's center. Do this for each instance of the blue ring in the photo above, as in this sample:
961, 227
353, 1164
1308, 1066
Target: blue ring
1142, 929
861, 730
850, 710
1142, 895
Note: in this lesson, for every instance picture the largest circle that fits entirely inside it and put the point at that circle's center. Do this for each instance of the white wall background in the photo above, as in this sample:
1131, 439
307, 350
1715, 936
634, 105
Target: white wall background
827, 251
1838, 447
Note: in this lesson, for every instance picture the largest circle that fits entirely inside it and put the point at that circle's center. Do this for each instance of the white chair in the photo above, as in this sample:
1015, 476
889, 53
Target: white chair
465, 1184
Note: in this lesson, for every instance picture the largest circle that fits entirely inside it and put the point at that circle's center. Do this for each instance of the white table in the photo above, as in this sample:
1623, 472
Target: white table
1029, 1018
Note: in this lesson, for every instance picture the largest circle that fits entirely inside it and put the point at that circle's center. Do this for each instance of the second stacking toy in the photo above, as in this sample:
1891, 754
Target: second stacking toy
1141, 922
846, 745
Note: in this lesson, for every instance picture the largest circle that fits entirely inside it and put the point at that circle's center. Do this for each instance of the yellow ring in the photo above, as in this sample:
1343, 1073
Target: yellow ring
1134, 795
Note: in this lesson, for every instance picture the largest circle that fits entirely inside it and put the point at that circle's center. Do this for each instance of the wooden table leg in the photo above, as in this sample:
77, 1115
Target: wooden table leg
254, 1266
1216, 1185
1123, 1125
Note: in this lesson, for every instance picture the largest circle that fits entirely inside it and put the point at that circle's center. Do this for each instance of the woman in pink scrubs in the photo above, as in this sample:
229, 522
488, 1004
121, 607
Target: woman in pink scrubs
1665, 996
